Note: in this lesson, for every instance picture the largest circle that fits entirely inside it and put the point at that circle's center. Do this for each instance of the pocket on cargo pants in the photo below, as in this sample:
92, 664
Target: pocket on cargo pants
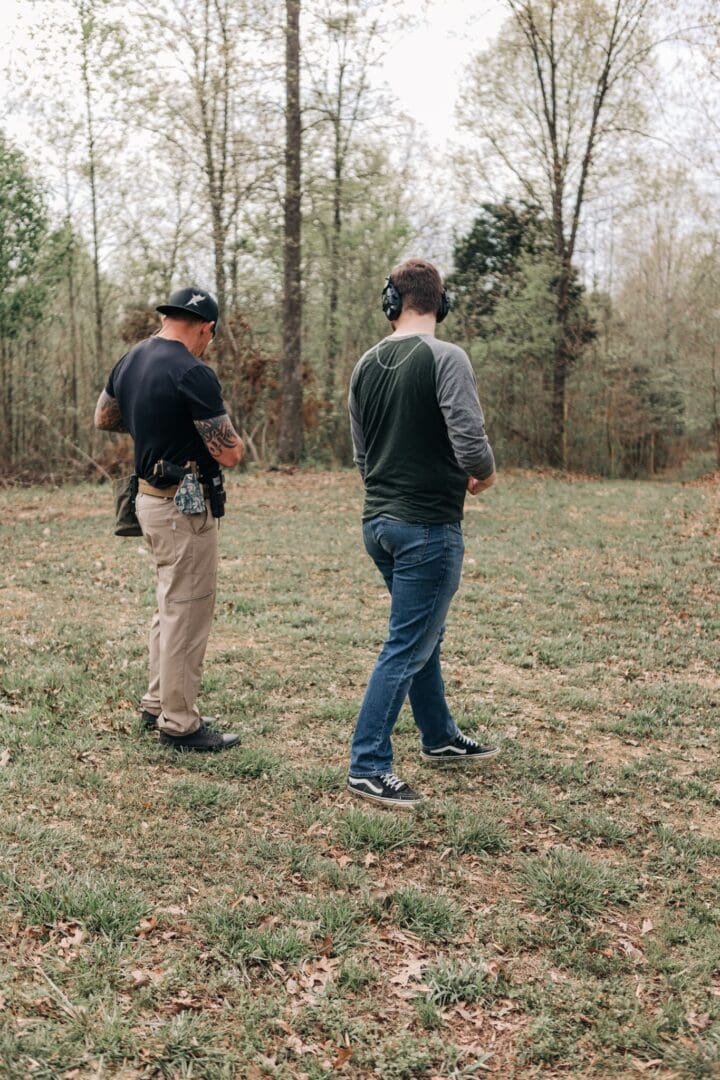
196, 556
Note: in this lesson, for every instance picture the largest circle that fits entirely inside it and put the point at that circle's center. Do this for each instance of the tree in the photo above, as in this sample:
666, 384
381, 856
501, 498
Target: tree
90, 29
504, 285
290, 434
551, 104
194, 92
341, 101
642, 395
485, 259
703, 332
23, 225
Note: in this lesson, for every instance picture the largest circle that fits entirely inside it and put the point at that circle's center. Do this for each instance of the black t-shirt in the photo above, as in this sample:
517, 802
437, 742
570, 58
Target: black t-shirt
161, 388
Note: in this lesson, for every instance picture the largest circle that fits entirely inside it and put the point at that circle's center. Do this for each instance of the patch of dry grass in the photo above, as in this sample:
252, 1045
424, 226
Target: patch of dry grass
554, 914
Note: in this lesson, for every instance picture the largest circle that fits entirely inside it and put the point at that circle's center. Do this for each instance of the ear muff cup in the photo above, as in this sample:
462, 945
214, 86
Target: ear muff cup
445, 305
392, 302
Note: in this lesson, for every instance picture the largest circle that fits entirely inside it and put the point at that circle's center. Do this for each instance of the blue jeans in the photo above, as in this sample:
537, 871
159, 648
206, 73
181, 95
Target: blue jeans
421, 565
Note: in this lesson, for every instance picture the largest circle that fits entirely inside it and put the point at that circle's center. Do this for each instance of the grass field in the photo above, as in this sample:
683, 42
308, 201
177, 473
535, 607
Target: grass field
555, 913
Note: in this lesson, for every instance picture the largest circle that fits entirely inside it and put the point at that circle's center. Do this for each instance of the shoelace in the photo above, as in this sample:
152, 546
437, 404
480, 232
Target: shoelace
392, 781
463, 739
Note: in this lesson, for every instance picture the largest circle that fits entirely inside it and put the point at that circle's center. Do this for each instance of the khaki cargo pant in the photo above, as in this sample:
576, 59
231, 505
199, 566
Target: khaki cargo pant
185, 551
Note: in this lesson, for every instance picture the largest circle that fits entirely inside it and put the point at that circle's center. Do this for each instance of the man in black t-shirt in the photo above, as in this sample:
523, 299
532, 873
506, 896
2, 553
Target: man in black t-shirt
170, 401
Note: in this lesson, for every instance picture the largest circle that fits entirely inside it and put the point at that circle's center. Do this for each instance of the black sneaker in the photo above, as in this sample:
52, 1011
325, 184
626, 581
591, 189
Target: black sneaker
385, 788
459, 751
201, 741
148, 721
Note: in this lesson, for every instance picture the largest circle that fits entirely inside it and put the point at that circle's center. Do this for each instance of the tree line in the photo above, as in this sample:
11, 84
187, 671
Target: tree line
248, 148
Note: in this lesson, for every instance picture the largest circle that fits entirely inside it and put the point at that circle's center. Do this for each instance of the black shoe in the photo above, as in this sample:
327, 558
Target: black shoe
201, 741
148, 721
459, 751
385, 788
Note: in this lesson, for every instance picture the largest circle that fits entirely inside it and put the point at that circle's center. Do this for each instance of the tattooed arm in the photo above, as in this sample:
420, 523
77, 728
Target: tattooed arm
107, 414
221, 439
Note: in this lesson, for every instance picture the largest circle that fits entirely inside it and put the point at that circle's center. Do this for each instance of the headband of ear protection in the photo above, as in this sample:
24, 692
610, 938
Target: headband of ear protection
392, 302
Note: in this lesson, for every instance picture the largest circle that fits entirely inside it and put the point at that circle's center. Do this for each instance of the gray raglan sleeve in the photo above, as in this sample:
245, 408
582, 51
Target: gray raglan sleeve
358, 438
458, 399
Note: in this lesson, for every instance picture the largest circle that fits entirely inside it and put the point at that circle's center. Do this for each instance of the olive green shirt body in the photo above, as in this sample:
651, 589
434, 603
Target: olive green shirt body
418, 429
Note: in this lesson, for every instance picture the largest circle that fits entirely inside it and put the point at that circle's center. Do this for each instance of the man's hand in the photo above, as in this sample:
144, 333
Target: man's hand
107, 414
222, 440
476, 486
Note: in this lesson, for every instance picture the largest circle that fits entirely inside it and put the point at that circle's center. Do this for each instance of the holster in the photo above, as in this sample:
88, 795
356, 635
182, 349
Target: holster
218, 495
126, 522
214, 485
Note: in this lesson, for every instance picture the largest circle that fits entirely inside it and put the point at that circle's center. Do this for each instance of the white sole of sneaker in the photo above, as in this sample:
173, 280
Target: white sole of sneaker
386, 804
460, 759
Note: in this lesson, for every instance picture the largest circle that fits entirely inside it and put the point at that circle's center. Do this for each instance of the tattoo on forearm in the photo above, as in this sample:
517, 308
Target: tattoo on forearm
107, 414
217, 433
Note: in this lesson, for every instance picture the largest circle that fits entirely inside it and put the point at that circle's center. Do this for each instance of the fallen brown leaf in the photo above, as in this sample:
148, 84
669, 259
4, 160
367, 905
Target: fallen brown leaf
344, 1054
145, 927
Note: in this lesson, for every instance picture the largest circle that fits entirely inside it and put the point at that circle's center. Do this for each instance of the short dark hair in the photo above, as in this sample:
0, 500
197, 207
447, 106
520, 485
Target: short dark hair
419, 284
185, 316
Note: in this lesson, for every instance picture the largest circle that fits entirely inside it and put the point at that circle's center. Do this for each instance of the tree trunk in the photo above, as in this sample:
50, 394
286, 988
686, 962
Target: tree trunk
221, 341
562, 360
86, 16
290, 435
332, 347
715, 406
6, 394
74, 336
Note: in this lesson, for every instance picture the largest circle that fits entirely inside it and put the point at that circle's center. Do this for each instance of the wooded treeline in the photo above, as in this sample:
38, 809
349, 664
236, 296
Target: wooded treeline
250, 149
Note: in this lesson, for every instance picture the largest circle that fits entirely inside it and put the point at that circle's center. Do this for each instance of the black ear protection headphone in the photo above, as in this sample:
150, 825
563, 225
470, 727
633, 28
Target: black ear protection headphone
392, 302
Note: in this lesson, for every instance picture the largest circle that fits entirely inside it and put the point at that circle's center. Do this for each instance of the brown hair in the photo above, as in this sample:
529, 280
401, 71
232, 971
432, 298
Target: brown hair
419, 284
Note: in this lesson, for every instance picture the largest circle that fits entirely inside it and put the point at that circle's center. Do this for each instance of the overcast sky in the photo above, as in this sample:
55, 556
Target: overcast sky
423, 66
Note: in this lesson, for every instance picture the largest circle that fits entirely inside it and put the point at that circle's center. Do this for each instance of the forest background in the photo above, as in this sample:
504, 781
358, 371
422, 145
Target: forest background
255, 149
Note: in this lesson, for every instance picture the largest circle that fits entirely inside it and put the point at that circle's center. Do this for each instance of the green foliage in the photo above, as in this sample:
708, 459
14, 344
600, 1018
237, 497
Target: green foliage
433, 918
232, 935
256, 763
203, 801
486, 259
101, 907
354, 976
23, 225
360, 831
474, 834
340, 923
569, 881
428, 1014
507, 276
696, 1058
450, 982
186, 1046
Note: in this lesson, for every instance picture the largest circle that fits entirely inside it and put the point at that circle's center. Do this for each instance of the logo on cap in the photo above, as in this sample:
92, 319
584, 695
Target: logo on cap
196, 298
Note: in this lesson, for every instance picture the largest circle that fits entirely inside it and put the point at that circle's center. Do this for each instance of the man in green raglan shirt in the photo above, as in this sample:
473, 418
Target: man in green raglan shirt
420, 444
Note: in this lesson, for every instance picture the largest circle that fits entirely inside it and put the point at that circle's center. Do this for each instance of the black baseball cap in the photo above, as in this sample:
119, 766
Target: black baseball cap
193, 301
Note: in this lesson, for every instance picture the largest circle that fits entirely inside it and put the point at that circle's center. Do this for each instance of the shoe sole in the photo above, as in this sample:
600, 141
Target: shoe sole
387, 804
465, 759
